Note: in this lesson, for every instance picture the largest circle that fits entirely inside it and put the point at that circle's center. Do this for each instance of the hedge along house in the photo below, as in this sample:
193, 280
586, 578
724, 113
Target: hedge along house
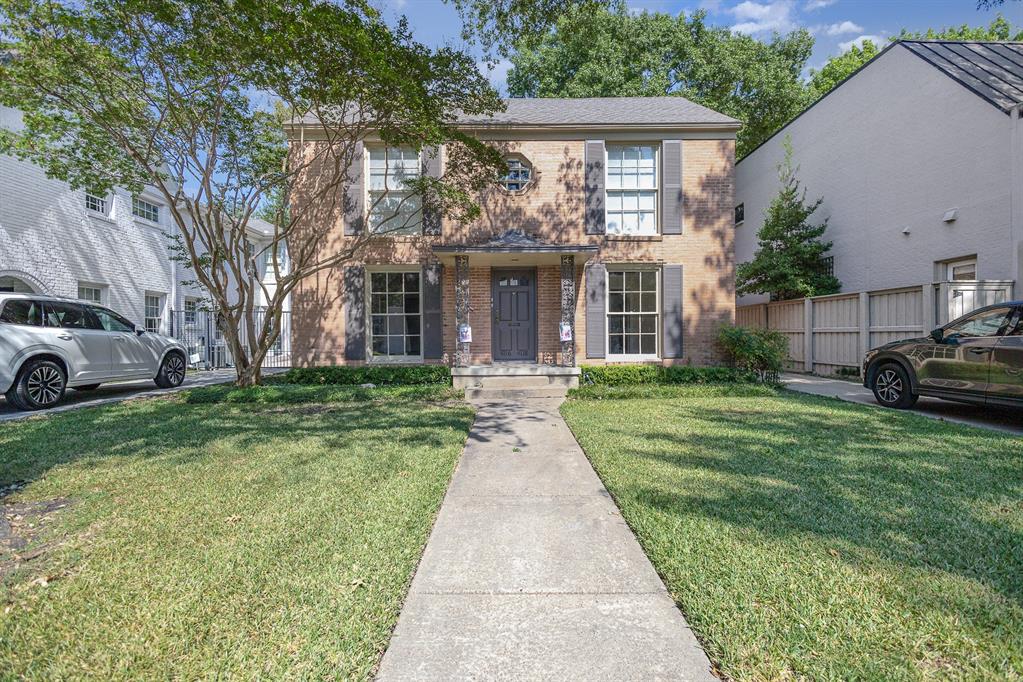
609, 240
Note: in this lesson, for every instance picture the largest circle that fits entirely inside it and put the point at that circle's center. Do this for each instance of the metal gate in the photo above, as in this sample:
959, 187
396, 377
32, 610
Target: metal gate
199, 332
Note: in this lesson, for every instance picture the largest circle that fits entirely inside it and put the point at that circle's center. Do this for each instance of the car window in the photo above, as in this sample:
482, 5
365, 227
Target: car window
1018, 329
23, 312
111, 321
70, 316
985, 323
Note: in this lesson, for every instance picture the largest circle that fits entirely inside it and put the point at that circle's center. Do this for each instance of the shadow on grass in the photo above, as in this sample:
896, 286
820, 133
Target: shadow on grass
912, 490
155, 428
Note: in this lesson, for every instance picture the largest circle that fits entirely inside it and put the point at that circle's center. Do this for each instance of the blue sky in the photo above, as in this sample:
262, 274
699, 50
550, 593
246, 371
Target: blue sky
835, 24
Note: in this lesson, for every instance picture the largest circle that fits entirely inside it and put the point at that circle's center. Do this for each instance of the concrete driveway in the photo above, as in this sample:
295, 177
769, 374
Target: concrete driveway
115, 392
995, 418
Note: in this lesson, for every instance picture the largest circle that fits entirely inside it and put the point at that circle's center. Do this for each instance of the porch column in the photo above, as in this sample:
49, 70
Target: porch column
568, 308
461, 308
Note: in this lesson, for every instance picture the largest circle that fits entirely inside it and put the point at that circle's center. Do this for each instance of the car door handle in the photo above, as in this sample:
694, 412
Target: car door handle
65, 337
980, 351
120, 338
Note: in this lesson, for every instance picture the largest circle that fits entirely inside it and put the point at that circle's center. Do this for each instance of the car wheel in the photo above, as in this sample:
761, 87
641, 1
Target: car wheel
39, 385
172, 371
87, 387
892, 388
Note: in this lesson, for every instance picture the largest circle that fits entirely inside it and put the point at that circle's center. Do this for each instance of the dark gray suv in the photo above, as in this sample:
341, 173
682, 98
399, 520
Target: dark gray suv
975, 359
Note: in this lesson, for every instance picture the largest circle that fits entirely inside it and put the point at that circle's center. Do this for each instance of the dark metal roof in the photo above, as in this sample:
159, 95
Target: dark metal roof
515, 241
992, 70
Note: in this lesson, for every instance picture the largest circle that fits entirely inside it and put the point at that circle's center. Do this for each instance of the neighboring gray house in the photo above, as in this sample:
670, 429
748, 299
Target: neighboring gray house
919, 159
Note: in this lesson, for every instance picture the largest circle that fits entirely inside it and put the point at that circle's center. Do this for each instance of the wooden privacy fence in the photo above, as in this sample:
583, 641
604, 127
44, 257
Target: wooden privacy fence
829, 333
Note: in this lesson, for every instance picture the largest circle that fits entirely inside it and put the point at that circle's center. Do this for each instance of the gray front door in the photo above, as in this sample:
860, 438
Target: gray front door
514, 301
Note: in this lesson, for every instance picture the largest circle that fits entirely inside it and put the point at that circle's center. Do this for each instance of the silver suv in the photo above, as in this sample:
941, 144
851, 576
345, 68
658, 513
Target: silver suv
48, 344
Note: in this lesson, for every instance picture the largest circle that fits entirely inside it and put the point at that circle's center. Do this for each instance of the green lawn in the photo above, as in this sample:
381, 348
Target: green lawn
215, 539
810, 538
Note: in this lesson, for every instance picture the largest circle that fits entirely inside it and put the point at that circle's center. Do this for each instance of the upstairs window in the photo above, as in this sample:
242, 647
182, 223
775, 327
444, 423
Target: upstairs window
518, 176
631, 189
95, 203
141, 208
393, 208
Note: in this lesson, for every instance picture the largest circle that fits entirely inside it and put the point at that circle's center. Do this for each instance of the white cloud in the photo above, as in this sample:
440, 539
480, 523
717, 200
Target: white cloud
755, 17
811, 5
878, 41
843, 28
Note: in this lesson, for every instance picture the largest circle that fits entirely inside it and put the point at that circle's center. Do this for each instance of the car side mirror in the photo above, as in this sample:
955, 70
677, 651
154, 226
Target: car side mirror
938, 335
140, 330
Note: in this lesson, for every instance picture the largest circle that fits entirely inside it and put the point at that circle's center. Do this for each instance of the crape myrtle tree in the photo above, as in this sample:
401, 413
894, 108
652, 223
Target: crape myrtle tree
192, 98
790, 255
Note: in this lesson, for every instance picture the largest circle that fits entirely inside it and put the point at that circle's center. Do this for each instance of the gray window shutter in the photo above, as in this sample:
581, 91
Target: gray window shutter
433, 319
671, 311
671, 186
596, 313
594, 187
355, 312
433, 167
355, 204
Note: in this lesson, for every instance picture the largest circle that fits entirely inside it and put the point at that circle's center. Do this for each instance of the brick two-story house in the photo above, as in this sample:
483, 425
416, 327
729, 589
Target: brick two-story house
610, 240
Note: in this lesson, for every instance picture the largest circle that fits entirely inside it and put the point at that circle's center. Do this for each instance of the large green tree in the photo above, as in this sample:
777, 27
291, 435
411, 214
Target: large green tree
605, 52
840, 67
173, 94
790, 255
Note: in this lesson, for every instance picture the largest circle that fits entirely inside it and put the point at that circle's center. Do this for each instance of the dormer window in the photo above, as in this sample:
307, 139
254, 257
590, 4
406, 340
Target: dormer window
520, 172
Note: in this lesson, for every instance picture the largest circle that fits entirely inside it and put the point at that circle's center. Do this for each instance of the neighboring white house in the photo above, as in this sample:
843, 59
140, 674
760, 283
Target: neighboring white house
114, 249
918, 157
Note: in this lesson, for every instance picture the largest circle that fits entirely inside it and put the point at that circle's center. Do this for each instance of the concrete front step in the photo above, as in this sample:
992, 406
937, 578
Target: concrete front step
515, 393
515, 377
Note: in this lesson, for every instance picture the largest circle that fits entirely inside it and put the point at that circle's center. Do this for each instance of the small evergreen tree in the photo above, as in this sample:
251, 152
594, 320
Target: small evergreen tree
789, 262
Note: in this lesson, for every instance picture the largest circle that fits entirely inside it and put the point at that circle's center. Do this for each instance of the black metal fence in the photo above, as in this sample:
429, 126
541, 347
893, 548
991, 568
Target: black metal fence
199, 332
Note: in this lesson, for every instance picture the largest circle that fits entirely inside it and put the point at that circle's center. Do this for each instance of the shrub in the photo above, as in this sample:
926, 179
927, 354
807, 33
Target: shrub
633, 375
760, 351
381, 375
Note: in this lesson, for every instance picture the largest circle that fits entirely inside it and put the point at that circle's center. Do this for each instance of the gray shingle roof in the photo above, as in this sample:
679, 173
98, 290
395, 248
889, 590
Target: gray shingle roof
993, 70
602, 111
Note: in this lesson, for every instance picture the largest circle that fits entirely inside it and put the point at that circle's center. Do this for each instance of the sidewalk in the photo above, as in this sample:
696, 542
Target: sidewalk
997, 419
531, 573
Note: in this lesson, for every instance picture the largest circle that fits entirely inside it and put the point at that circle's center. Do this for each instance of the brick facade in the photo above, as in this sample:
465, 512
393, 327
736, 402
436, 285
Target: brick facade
551, 209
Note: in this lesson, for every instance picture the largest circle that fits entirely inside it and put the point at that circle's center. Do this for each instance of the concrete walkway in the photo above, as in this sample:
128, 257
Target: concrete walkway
531, 573
995, 418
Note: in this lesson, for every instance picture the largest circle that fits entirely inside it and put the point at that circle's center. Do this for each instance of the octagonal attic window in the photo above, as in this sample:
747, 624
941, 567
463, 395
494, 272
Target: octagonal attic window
520, 172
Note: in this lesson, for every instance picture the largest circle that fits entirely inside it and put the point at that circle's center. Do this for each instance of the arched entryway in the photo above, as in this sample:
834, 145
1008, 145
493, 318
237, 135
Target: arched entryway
20, 283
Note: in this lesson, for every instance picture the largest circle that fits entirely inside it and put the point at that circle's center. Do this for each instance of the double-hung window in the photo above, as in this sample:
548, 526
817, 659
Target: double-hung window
631, 189
96, 202
191, 310
90, 292
395, 308
393, 207
140, 208
632, 314
154, 312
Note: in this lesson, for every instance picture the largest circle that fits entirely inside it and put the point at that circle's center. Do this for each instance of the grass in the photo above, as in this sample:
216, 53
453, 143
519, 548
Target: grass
805, 537
222, 540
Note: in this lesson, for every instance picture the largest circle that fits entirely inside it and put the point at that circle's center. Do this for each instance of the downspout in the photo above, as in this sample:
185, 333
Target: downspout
1016, 198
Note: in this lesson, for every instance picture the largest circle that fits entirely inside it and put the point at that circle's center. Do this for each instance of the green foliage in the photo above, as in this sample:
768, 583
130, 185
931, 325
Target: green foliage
274, 393
614, 52
759, 351
635, 375
381, 375
788, 262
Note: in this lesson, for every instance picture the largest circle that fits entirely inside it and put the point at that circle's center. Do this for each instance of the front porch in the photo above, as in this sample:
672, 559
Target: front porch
514, 307
515, 380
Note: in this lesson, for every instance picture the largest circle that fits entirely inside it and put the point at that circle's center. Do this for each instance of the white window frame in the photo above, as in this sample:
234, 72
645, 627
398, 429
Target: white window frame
98, 288
627, 357
507, 179
140, 209
656, 190
392, 359
952, 265
94, 203
190, 309
153, 323
414, 228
